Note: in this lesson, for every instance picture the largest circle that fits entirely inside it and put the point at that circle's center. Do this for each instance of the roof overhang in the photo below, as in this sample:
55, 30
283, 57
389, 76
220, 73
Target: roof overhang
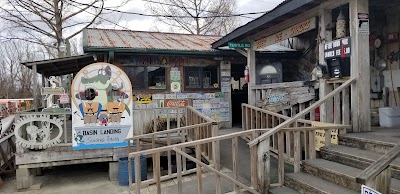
63, 66
281, 13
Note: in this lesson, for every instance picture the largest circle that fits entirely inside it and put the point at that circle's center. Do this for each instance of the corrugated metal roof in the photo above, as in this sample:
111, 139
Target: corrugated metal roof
109, 38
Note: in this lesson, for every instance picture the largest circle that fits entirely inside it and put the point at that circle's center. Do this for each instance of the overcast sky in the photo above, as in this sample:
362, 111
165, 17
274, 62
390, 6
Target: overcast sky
146, 23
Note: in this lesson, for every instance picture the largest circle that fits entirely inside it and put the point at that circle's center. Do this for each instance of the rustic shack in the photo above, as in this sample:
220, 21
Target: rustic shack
175, 70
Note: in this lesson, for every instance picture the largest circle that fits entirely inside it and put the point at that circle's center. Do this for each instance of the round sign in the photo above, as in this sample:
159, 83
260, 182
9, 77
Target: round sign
175, 86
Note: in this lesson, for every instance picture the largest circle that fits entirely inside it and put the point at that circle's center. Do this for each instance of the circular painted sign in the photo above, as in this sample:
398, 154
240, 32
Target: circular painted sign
101, 107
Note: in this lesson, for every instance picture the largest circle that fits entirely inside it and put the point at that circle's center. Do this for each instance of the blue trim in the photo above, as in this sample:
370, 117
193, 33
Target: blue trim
100, 146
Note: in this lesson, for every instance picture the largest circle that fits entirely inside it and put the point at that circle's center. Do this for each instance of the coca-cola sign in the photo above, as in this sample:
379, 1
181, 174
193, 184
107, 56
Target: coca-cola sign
175, 103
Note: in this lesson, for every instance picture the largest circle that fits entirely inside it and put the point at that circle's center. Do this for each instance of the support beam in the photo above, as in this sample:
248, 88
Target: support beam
360, 69
241, 51
251, 62
35, 94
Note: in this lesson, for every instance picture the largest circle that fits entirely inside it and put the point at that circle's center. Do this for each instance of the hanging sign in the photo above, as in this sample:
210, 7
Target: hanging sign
320, 136
293, 31
363, 23
54, 91
340, 48
102, 107
239, 44
64, 99
175, 75
367, 190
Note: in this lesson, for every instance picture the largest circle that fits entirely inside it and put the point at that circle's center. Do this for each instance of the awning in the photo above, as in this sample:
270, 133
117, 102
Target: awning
63, 66
285, 11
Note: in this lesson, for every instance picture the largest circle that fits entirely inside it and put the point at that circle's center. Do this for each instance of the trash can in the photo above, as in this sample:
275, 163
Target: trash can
123, 174
389, 117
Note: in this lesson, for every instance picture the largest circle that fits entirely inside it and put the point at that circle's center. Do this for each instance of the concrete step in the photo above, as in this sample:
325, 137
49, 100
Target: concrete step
369, 141
283, 190
340, 174
309, 184
356, 158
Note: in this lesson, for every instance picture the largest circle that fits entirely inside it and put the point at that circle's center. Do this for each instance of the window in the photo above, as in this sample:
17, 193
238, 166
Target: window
147, 77
202, 77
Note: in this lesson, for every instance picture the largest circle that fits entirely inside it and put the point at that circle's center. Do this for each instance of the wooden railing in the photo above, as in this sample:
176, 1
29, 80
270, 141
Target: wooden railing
181, 156
199, 126
282, 139
378, 175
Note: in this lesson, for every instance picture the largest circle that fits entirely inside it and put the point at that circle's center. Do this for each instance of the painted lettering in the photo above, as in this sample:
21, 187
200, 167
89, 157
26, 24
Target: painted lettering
89, 132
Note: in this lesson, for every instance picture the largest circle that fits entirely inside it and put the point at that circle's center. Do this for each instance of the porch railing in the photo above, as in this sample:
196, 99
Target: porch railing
199, 126
378, 175
281, 138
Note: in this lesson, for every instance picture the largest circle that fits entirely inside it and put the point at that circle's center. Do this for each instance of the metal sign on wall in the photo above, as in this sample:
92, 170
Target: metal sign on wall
340, 48
293, 31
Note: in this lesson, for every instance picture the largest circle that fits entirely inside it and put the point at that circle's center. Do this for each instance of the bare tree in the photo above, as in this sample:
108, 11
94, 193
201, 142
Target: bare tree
16, 79
47, 22
198, 16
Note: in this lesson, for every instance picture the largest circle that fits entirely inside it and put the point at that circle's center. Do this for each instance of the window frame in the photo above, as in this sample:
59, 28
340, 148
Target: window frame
201, 71
146, 78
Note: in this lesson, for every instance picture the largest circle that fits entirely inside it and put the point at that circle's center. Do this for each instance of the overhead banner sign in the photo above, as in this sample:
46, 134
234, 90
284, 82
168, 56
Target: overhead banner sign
293, 31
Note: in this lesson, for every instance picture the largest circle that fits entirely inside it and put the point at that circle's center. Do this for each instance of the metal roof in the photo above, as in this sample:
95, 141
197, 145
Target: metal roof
63, 66
109, 38
286, 10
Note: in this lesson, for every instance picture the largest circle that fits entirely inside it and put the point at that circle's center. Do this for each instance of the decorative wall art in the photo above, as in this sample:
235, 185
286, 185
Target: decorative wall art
101, 107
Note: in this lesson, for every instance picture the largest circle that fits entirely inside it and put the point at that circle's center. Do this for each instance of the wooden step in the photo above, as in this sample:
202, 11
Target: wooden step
356, 158
309, 184
283, 190
340, 174
369, 141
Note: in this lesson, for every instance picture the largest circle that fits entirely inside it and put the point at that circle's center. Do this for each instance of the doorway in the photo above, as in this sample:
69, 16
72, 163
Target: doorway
239, 93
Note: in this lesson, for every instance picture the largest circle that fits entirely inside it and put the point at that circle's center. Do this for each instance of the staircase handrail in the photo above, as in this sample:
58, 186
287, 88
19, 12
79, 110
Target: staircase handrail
302, 113
377, 168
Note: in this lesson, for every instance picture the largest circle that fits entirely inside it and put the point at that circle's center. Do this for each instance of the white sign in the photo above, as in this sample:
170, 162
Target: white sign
367, 190
64, 99
287, 33
363, 23
175, 86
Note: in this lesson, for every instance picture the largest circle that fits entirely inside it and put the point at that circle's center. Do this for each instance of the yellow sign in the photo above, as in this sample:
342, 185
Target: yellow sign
54, 91
293, 31
320, 135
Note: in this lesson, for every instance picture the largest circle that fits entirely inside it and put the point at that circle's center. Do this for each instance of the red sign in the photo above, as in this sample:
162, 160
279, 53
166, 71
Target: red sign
175, 103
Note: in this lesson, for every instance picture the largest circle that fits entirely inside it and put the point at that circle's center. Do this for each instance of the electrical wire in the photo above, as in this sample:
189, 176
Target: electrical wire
182, 7
170, 16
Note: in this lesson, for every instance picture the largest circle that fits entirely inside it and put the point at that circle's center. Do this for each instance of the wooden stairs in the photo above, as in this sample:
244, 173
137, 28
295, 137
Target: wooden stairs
336, 170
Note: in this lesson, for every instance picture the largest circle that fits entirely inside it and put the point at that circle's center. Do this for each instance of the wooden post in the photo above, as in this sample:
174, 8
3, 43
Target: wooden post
251, 62
311, 151
198, 170
157, 172
235, 162
297, 151
360, 69
381, 182
345, 109
253, 163
216, 157
281, 159
137, 173
34, 86
263, 165
179, 172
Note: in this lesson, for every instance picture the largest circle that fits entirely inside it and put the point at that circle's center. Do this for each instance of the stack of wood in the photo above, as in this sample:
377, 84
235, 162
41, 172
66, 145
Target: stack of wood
279, 98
